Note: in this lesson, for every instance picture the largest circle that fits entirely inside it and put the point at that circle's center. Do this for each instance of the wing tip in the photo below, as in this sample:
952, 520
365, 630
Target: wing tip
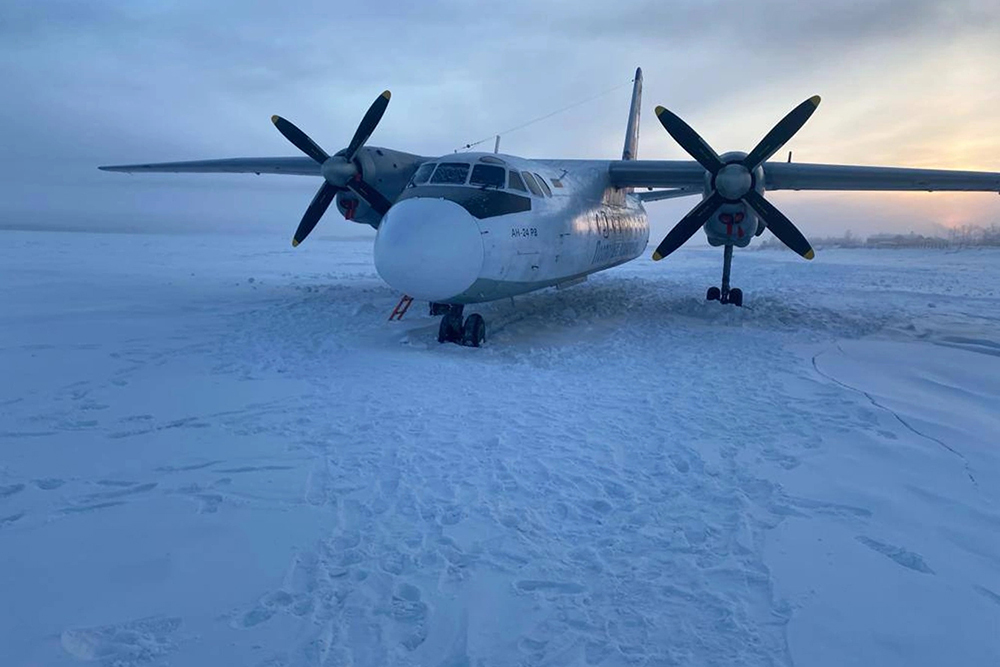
810, 254
657, 256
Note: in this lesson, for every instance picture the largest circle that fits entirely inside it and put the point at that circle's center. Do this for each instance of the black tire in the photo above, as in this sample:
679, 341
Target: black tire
714, 294
474, 331
439, 309
736, 297
450, 329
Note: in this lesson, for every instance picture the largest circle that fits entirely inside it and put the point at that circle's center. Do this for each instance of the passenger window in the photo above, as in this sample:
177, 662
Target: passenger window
423, 173
530, 182
488, 176
516, 182
544, 185
451, 173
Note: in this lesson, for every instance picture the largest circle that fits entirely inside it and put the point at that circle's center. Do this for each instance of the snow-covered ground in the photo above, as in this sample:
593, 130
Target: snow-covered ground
216, 450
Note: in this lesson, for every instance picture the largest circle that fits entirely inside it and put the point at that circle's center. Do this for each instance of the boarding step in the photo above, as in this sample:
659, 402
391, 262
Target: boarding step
401, 308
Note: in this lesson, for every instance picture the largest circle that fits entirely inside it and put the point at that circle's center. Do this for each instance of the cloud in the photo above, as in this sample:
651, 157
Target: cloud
105, 81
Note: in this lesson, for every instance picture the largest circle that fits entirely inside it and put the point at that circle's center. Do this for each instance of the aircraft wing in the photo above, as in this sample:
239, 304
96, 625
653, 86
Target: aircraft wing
792, 176
673, 193
802, 176
294, 166
656, 173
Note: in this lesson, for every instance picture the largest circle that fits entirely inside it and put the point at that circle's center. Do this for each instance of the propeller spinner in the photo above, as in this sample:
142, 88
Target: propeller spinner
340, 172
735, 181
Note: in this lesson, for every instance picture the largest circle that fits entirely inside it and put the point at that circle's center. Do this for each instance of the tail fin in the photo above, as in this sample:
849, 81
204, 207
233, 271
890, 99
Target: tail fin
632, 132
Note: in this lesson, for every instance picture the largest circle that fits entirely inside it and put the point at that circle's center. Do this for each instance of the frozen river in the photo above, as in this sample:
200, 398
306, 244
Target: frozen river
216, 450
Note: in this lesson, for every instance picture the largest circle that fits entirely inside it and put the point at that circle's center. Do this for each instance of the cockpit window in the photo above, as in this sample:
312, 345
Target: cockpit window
530, 181
488, 176
423, 173
544, 185
451, 172
516, 182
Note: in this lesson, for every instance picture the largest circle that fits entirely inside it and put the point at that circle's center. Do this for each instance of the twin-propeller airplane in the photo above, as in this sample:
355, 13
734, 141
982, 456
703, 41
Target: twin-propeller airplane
474, 227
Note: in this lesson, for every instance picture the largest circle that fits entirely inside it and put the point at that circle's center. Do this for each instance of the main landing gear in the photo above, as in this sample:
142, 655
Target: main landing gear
452, 330
725, 294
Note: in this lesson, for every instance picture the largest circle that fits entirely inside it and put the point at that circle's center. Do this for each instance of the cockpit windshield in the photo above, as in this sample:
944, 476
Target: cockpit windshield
423, 173
451, 172
486, 173
488, 176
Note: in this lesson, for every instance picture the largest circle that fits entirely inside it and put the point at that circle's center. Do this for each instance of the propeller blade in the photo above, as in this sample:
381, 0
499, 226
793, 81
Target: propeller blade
688, 225
689, 140
374, 198
779, 225
299, 139
315, 211
368, 124
781, 133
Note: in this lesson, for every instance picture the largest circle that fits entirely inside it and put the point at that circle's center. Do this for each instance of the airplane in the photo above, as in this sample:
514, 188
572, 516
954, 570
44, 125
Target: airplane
469, 228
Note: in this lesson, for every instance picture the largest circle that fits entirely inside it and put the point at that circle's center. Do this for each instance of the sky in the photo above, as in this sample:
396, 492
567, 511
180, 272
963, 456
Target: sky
904, 82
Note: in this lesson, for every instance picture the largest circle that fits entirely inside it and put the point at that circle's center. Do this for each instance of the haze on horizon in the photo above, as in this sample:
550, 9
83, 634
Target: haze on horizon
904, 82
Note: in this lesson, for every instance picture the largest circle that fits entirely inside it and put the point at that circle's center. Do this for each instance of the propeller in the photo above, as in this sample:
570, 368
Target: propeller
735, 181
340, 171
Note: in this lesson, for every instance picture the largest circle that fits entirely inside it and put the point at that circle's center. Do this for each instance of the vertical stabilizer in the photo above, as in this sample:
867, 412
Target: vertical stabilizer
631, 150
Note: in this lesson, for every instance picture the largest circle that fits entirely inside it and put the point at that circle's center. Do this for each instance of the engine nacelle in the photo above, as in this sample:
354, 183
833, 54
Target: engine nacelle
388, 171
734, 223
355, 209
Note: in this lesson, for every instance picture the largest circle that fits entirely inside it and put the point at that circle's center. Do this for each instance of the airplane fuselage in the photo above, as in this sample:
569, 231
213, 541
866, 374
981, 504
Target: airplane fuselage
477, 227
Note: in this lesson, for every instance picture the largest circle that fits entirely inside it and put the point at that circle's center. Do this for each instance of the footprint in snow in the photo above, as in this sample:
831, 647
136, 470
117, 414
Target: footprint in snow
254, 469
7, 491
901, 556
130, 643
187, 468
80, 509
126, 491
988, 594
558, 587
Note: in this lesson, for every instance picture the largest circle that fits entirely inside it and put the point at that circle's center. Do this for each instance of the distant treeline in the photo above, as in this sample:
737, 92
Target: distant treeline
966, 236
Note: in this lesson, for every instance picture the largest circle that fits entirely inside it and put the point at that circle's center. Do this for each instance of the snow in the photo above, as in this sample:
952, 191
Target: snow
217, 450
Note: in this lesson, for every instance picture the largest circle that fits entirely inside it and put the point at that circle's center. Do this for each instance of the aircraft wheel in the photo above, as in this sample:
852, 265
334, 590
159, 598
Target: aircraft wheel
450, 329
736, 297
439, 309
714, 294
474, 331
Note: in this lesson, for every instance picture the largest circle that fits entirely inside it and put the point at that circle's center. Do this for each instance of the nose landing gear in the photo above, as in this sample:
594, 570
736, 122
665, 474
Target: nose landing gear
725, 294
451, 330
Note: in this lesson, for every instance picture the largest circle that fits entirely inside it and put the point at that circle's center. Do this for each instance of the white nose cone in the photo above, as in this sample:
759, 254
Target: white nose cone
431, 249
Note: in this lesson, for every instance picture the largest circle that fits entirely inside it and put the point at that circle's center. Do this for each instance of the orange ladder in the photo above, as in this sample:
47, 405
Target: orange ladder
401, 308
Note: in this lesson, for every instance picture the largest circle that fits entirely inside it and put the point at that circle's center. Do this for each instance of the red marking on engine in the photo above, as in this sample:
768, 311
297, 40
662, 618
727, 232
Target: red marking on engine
350, 208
